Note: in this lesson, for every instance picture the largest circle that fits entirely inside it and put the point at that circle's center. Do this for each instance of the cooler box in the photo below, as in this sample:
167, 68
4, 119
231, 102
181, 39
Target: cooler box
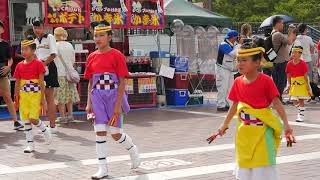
159, 58
177, 97
179, 81
181, 64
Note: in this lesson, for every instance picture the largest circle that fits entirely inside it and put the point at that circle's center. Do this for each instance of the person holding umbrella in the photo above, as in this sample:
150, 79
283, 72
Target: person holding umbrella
280, 43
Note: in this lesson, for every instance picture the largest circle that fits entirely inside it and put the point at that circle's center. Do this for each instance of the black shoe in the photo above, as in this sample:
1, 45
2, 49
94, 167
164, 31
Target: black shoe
222, 109
17, 126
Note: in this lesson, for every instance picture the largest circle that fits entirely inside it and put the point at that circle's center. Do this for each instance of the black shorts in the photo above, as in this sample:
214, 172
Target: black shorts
52, 78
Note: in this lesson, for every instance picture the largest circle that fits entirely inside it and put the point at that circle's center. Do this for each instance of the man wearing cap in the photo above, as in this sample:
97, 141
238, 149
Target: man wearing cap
225, 68
5, 67
46, 52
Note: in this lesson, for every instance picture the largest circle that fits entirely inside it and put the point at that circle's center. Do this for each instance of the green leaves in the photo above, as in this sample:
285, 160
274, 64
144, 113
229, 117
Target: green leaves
258, 10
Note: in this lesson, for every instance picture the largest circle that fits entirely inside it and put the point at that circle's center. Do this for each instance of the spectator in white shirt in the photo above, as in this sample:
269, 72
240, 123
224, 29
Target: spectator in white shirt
46, 52
67, 93
308, 47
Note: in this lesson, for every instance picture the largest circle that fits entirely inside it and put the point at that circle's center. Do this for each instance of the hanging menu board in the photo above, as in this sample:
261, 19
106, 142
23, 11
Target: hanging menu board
67, 13
142, 14
129, 86
147, 85
146, 14
113, 11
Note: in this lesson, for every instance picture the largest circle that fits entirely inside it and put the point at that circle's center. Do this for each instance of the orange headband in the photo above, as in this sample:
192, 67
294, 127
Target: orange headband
102, 29
250, 52
27, 43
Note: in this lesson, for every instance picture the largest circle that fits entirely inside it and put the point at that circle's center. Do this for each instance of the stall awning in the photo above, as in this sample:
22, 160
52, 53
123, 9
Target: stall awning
193, 15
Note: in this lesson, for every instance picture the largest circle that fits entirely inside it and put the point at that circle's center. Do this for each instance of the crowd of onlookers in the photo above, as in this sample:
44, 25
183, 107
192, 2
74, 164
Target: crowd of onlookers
282, 45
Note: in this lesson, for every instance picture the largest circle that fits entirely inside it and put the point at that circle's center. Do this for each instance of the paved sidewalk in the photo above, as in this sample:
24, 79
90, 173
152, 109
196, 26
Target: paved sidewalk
172, 145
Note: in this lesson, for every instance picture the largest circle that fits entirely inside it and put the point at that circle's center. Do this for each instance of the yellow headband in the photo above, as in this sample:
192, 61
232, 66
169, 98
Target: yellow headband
102, 29
250, 52
297, 49
27, 43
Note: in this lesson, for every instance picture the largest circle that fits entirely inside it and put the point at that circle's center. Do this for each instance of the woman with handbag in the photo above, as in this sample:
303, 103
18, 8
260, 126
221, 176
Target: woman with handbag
67, 93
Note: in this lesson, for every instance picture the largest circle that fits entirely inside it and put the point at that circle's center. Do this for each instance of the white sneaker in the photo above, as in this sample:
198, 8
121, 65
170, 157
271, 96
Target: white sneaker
47, 135
300, 118
54, 130
102, 172
29, 148
135, 159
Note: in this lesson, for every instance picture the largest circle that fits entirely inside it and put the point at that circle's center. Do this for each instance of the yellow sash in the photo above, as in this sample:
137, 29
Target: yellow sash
257, 146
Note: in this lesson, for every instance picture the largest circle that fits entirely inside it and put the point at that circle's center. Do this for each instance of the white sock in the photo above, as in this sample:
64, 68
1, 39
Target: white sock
41, 126
126, 141
301, 111
28, 132
101, 148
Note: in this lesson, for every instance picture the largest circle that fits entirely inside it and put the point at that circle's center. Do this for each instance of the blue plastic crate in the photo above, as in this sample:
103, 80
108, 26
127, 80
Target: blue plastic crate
181, 64
177, 97
161, 54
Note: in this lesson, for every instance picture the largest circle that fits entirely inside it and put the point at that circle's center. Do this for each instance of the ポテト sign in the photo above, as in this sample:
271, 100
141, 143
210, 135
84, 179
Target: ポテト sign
67, 13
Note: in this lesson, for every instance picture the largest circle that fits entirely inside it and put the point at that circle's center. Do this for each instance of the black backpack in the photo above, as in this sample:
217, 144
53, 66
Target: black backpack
270, 54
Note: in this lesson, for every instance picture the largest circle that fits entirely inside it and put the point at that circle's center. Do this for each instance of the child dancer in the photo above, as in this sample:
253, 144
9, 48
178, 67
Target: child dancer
29, 91
106, 71
259, 130
297, 73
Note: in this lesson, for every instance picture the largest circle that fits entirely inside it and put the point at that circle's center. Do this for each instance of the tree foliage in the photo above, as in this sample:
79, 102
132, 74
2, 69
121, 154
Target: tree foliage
258, 10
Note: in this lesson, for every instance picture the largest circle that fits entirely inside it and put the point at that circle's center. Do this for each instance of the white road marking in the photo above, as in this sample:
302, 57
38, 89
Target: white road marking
205, 149
218, 168
304, 124
162, 163
223, 116
5, 168
193, 112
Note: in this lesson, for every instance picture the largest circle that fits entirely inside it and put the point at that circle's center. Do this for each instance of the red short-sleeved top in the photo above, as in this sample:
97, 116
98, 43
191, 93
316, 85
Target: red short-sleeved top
112, 61
296, 70
258, 94
30, 70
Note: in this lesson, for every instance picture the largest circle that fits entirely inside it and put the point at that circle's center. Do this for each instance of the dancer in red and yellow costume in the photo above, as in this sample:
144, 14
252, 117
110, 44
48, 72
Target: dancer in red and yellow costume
297, 73
29, 92
258, 132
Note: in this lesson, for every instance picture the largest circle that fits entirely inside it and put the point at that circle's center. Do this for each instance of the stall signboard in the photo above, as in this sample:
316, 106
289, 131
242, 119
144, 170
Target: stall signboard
147, 85
113, 11
142, 14
146, 14
129, 86
67, 13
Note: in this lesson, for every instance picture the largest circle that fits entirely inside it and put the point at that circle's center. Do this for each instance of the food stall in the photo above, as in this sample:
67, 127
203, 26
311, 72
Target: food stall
124, 16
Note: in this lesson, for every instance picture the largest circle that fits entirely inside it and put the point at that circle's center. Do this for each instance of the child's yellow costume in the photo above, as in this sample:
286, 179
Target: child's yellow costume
257, 145
30, 97
298, 87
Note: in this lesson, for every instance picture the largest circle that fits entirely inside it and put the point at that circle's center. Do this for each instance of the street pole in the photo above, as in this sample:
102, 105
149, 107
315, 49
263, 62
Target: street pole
210, 5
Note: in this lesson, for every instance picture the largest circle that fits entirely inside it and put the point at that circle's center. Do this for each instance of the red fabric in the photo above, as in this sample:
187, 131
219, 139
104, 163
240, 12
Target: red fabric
258, 94
30, 70
319, 51
296, 70
112, 61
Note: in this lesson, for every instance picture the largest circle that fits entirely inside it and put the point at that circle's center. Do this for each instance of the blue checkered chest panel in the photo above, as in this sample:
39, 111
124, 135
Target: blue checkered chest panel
31, 86
247, 119
105, 82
